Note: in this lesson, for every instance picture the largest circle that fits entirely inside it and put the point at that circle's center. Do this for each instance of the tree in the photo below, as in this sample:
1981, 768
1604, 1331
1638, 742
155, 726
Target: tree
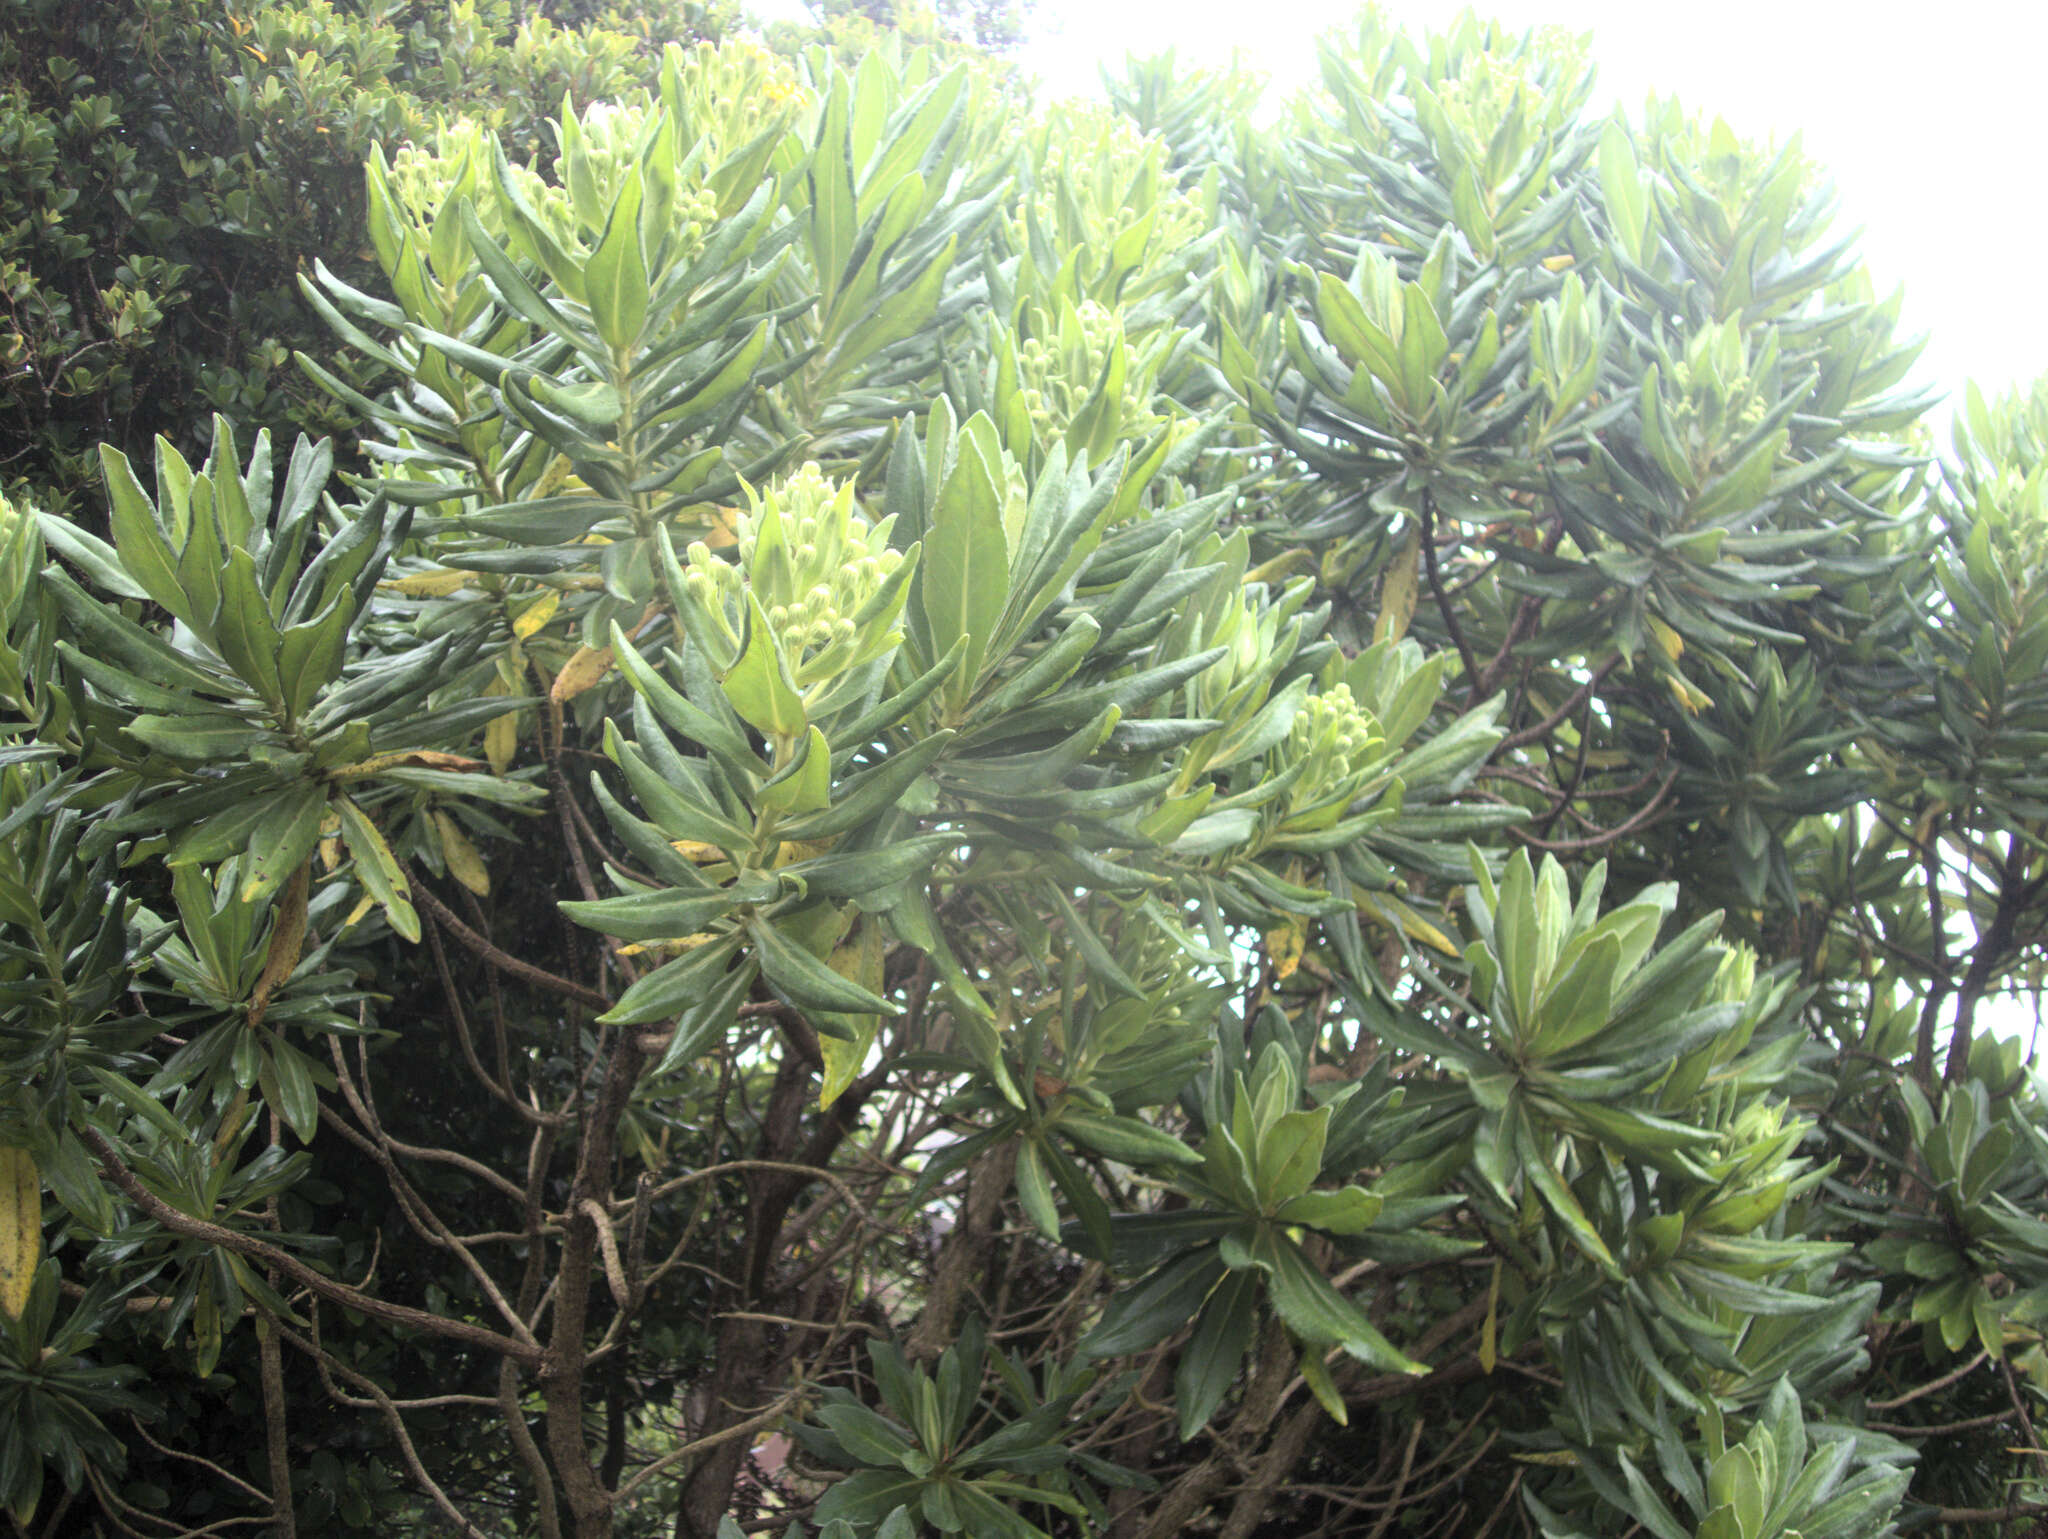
1123, 830
170, 166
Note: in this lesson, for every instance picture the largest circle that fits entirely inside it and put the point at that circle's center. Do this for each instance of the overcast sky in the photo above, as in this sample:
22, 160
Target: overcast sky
1928, 117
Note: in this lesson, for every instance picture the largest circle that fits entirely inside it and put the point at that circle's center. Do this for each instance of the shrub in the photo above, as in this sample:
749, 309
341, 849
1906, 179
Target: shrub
1134, 832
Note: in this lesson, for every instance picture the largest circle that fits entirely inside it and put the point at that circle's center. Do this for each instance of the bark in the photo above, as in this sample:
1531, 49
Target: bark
745, 1367
271, 1357
964, 1252
561, 1369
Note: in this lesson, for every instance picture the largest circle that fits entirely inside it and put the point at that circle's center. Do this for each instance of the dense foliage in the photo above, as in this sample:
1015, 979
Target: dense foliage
1081, 821
170, 166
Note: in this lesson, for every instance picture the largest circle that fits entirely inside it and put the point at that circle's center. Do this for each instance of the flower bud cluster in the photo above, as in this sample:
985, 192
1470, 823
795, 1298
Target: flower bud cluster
1057, 374
812, 560
1713, 401
606, 146
696, 214
423, 176
733, 92
1736, 980
1333, 727
1338, 739
1487, 88
1097, 165
427, 178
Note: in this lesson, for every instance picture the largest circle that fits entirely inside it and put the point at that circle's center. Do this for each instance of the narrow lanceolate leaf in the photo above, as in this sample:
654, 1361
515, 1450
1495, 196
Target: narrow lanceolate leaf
670, 990
144, 552
806, 982
1209, 1365
616, 275
1319, 1314
21, 1228
1154, 1309
580, 672
377, 869
1397, 592
464, 863
963, 582
649, 916
759, 686
287, 942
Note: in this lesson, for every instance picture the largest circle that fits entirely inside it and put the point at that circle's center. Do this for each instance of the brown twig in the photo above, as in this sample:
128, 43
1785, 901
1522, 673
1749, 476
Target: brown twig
177, 1222
504, 961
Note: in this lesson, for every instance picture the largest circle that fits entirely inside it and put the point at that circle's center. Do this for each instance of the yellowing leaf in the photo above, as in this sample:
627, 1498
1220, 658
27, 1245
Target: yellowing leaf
21, 1229
464, 863
860, 961
1690, 700
788, 853
1315, 1373
1281, 567
501, 741
287, 940
724, 531
585, 668
424, 758
1397, 592
1667, 638
1285, 945
538, 613
1557, 264
1395, 914
429, 584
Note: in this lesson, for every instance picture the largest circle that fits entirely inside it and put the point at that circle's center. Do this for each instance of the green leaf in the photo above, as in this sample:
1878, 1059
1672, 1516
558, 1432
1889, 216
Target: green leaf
200, 737
615, 278
806, 982
377, 869
1348, 1210
1577, 1003
759, 685
1290, 1155
1124, 1139
870, 1438
1210, 1362
1034, 1190
309, 656
1144, 1315
244, 632
1516, 939
92, 555
283, 842
145, 555
675, 986
649, 916
963, 580
595, 404
1558, 1197
1318, 1314
805, 783
298, 1098
854, 873
872, 792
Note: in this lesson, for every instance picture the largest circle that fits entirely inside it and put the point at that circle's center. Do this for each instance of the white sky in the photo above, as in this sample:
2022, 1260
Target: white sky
1928, 116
